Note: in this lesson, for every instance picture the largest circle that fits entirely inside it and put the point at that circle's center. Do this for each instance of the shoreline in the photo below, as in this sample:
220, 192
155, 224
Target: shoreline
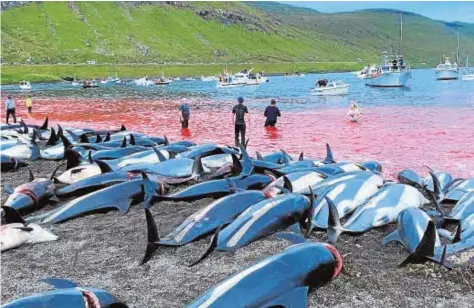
12, 74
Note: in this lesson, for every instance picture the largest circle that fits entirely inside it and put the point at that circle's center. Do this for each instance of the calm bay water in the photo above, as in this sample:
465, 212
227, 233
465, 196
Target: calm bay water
427, 123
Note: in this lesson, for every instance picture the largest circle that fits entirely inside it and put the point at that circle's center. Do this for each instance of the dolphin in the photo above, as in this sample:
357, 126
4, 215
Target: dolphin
204, 150
347, 196
44, 126
11, 163
298, 182
417, 233
260, 220
444, 179
217, 188
219, 213
32, 194
16, 232
283, 279
118, 153
80, 171
28, 151
120, 196
379, 210
463, 208
67, 294
373, 166
458, 190
320, 187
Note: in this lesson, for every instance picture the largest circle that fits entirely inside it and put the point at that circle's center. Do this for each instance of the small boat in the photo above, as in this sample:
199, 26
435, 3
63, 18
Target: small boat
447, 71
332, 88
189, 79
367, 70
256, 79
468, 73
177, 79
237, 80
75, 83
88, 84
25, 85
163, 81
143, 81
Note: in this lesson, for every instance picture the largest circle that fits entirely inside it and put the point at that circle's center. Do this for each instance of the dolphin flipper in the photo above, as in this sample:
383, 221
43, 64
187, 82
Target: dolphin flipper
212, 246
296, 298
8, 189
334, 224
394, 236
153, 238
291, 237
59, 283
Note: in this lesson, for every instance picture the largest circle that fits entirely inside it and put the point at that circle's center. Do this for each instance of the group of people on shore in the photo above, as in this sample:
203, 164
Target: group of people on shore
11, 110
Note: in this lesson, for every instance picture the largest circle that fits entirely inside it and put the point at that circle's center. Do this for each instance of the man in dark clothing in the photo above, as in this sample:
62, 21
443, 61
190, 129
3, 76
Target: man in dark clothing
271, 113
185, 113
238, 119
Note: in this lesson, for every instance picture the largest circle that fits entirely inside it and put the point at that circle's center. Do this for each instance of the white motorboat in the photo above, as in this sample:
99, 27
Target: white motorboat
256, 79
189, 79
332, 88
367, 70
237, 80
25, 85
447, 70
468, 73
144, 81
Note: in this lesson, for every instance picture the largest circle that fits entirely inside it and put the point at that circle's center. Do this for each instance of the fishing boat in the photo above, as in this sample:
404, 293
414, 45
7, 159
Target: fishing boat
111, 80
468, 73
237, 80
393, 71
447, 70
162, 81
256, 79
143, 81
88, 84
367, 70
189, 79
25, 85
332, 88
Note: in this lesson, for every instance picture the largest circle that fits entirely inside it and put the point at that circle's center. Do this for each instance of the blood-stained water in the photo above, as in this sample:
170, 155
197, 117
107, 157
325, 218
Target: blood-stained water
397, 136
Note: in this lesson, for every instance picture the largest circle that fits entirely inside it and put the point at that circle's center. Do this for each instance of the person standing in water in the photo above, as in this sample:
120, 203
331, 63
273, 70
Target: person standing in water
185, 113
271, 113
354, 112
10, 108
29, 103
238, 119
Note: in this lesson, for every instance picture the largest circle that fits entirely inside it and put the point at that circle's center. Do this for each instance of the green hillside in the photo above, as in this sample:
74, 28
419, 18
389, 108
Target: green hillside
216, 32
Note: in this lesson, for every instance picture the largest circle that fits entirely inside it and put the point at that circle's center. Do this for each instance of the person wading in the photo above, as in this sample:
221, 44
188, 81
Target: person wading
271, 113
185, 112
10, 108
29, 103
238, 118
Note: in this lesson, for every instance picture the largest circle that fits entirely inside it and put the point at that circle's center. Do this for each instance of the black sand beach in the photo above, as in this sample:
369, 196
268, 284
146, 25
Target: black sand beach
103, 251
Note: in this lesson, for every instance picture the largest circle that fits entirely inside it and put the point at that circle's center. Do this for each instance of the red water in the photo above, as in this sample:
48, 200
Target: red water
398, 137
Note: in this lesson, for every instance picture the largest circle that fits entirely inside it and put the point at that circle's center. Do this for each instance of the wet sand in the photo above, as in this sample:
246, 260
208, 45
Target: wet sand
103, 251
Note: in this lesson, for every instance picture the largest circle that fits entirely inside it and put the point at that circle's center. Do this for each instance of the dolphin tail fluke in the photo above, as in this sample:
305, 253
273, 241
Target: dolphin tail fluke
334, 224
212, 246
45, 124
329, 157
53, 138
153, 238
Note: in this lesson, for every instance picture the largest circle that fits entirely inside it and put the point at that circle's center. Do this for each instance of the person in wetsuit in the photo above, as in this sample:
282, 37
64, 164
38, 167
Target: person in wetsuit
271, 113
238, 118
185, 113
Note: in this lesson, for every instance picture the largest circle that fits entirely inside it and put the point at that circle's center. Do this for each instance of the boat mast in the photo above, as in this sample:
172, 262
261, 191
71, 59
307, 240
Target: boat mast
401, 33
457, 52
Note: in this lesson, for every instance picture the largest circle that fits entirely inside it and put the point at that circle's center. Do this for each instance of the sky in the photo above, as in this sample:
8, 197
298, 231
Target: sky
443, 10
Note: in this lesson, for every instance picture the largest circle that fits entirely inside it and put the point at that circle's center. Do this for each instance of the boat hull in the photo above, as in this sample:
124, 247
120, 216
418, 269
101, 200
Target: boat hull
333, 91
447, 75
392, 79
468, 77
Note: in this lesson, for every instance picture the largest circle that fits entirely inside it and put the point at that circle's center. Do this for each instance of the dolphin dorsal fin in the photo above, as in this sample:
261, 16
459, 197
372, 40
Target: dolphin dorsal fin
123, 128
59, 283
107, 137
12, 215
124, 142
160, 155
132, 139
45, 124
98, 138
329, 157
104, 167
259, 156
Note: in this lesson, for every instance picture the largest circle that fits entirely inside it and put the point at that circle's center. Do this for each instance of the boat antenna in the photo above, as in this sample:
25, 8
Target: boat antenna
457, 52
